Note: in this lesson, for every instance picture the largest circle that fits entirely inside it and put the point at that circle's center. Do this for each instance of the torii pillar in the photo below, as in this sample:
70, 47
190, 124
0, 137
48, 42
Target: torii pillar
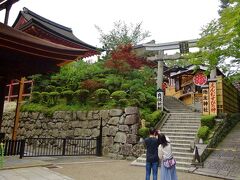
160, 70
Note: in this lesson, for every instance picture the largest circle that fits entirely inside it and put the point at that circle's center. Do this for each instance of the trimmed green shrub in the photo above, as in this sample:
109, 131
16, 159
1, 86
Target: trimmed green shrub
203, 132
69, 96
208, 121
140, 96
134, 102
102, 95
53, 98
153, 118
123, 102
82, 95
119, 95
59, 89
143, 132
31, 107
36, 97
50, 88
44, 97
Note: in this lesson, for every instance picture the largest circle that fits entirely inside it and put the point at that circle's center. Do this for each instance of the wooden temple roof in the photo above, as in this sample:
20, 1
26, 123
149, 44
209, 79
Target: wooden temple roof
22, 54
43, 28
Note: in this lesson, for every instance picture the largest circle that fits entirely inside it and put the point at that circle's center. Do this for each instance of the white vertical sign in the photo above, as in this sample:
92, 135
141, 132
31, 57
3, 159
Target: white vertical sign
160, 100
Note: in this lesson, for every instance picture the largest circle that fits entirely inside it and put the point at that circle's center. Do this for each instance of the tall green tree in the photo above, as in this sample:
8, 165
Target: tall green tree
220, 39
122, 34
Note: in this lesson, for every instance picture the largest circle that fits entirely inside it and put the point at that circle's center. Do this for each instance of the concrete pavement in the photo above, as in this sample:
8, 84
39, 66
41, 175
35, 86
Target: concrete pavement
78, 168
32, 173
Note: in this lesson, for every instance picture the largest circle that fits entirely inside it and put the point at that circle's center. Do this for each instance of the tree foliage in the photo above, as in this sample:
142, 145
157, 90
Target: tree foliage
123, 59
220, 39
122, 34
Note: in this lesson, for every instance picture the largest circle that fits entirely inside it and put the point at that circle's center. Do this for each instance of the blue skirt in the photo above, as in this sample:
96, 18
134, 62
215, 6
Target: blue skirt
168, 173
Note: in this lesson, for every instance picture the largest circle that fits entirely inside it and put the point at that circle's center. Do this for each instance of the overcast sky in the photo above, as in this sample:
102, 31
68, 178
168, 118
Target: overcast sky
167, 20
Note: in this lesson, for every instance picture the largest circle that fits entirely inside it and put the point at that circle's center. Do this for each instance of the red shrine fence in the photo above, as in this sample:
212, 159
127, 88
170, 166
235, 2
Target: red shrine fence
12, 89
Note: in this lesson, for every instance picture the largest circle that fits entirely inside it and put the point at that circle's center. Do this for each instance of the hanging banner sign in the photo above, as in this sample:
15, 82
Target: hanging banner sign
213, 98
199, 79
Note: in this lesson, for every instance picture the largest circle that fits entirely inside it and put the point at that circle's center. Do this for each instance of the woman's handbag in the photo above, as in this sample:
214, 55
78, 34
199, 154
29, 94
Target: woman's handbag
168, 163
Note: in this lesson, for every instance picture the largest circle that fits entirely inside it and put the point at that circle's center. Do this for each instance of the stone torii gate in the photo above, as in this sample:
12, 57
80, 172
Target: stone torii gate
183, 46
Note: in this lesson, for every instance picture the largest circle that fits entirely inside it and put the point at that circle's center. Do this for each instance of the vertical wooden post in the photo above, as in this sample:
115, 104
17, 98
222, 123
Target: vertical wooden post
10, 90
3, 83
17, 114
99, 141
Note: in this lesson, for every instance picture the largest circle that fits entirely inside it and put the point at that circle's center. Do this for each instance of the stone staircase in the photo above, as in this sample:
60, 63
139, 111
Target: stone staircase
181, 128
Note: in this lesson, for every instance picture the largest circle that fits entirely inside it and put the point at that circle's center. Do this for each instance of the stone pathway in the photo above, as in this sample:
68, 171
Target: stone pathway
223, 162
34, 173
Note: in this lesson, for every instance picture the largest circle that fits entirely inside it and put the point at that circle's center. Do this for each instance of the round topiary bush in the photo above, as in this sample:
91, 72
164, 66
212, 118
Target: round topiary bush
208, 121
123, 102
69, 96
143, 132
134, 102
203, 132
118, 95
154, 117
44, 97
102, 95
82, 95
53, 98
35, 97
140, 96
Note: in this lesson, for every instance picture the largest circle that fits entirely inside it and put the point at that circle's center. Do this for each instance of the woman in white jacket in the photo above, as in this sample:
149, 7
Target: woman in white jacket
165, 154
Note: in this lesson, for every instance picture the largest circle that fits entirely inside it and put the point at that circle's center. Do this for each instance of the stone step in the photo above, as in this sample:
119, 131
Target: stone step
181, 137
184, 119
194, 130
188, 134
181, 124
182, 169
183, 159
183, 164
183, 154
186, 114
180, 141
166, 126
176, 107
178, 110
181, 149
181, 145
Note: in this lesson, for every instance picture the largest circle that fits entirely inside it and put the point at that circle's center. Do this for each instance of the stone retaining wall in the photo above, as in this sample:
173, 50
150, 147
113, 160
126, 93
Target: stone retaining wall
120, 127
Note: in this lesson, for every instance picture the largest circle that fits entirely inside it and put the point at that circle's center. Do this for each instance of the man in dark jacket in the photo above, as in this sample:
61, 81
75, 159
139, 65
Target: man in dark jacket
152, 160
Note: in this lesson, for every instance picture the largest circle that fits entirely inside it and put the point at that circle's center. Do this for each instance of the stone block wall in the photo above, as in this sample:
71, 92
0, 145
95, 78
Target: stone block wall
120, 127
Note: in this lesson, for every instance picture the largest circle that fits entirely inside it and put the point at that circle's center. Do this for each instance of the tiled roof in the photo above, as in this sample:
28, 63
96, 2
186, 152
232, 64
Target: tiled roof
51, 26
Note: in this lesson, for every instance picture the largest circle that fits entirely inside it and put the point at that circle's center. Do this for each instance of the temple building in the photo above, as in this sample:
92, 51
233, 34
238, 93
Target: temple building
38, 26
196, 89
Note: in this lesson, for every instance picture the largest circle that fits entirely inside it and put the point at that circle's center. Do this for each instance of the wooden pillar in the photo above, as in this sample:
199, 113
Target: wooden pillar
3, 83
17, 114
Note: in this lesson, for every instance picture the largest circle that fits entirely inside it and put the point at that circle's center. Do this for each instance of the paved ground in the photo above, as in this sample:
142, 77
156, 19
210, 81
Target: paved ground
220, 164
79, 168
31, 173
225, 160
